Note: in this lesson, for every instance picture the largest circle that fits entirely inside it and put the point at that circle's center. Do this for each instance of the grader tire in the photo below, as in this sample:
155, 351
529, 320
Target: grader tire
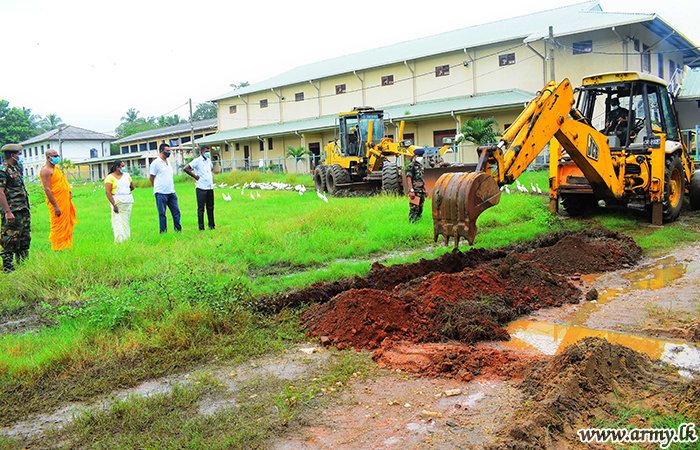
674, 188
336, 175
694, 191
320, 178
390, 178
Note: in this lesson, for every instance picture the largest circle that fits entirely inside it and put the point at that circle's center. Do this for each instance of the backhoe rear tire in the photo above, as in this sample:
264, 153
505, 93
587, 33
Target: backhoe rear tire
390, 178
694, 191
674, 188
320, 178
335, 176
578, 204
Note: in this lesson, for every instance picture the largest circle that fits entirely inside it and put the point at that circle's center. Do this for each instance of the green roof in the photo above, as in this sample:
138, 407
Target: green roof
488, 101
691, 85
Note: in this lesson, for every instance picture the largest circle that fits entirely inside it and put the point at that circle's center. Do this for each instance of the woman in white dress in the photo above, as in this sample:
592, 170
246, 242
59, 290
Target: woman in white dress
118, 187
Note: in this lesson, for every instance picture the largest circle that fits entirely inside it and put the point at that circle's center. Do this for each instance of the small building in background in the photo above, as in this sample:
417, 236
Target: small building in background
74, 144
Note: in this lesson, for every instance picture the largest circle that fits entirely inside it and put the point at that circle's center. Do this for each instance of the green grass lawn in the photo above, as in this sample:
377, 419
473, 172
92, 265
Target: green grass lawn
162, 303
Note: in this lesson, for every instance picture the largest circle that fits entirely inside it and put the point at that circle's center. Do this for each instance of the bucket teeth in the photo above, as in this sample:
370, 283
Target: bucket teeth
458, 200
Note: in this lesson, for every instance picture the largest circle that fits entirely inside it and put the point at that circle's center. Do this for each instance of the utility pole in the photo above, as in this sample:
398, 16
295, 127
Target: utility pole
191, 132
551, 54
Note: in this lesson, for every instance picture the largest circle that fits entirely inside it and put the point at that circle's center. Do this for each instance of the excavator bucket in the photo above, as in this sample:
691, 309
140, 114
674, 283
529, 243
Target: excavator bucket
458, 200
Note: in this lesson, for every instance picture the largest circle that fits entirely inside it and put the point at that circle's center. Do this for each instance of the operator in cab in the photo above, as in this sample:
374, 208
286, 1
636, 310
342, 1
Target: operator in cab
617, 120
416, 185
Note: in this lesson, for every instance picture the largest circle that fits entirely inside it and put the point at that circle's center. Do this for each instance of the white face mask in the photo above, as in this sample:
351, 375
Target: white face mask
419, 159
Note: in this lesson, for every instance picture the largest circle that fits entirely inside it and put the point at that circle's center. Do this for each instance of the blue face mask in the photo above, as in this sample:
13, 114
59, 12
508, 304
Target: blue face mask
206, 155
56, 159
123, 169
166, 154
20, 160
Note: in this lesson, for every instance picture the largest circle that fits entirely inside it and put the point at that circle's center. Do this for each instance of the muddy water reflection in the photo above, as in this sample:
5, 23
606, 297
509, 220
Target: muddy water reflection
550, 339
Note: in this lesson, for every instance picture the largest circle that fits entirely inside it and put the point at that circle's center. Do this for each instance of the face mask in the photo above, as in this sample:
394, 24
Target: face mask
166, 154
20, 160
56, 159
614, 108
123, 169
419, 159
206, 155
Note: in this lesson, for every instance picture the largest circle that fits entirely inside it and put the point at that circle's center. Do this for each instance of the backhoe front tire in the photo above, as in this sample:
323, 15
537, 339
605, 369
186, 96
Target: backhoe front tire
390, 178
694, 190
578, 204
674, 188
320, 178
336, 175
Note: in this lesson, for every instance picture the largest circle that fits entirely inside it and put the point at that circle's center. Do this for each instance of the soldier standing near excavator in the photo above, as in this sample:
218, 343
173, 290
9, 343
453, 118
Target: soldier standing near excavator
416, 185
16, 220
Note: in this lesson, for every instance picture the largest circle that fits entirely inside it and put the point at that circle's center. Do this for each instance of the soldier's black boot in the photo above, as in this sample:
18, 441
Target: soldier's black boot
7, 265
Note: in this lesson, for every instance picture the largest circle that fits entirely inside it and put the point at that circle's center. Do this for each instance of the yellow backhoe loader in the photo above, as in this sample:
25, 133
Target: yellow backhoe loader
362, 157
620, 142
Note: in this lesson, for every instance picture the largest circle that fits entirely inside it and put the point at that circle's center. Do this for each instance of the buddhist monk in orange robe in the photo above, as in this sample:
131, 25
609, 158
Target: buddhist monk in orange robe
60, 203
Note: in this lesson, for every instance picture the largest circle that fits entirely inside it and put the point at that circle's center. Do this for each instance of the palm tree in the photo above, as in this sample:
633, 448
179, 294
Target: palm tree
131, 116
51, 122
297, 153
479, 131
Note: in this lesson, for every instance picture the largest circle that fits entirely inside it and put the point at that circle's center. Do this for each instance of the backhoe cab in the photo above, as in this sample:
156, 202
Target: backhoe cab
619, 142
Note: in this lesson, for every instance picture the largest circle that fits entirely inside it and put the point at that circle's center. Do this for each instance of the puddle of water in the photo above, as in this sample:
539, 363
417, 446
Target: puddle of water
550, 339
654, 276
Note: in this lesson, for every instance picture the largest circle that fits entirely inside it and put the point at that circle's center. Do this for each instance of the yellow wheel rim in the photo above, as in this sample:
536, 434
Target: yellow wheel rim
674, 195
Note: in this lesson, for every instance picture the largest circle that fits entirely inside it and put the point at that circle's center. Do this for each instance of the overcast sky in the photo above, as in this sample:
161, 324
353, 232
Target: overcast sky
90, 61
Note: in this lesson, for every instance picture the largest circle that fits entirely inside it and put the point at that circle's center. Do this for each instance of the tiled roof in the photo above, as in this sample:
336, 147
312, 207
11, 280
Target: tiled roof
200, 125
69, 133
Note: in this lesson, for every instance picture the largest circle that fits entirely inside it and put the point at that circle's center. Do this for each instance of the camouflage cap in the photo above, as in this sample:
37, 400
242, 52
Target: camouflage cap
11, 148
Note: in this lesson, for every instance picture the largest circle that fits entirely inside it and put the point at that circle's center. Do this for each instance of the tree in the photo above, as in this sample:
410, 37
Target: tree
16, 125
205, 111
479, 131
131, 116
297, 153
240, 85
51, 122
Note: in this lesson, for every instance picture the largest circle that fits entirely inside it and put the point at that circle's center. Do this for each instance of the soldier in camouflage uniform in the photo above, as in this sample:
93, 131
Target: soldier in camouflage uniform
416, 185
14, 202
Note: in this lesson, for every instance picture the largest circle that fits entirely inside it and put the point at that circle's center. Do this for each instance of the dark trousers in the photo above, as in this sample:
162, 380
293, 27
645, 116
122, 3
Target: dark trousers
205, 197
169, 201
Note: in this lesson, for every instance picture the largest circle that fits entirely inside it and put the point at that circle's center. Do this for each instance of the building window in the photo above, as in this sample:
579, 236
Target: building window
238, 146
185, 139
42, 147
646, 59
125, 149
636, 44
153, 145
671, 68
25, 152
262, 145
661, 65
142, 147
269, 143
506, 60
232, 109
340, 89
197, 136
93, 153
299, 97
133, 148
442, 71
389, 80
263, 103
36, 151
583, 47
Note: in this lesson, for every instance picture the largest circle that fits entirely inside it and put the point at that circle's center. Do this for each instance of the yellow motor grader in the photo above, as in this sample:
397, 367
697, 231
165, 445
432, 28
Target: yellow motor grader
618, 141
362, 157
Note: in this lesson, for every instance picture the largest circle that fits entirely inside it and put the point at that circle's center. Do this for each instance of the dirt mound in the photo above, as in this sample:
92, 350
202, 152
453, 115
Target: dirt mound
468, 306
592, 251
454, 360
585, 379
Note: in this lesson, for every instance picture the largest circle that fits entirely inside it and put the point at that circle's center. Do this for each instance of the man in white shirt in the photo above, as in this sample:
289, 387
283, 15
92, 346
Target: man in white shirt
164, 189
200, 169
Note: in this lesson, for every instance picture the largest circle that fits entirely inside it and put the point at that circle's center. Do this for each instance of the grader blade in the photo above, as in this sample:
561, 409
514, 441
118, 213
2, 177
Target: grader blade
458, 200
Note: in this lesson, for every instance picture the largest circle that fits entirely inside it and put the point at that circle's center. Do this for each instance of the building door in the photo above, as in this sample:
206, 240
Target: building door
246, 157
439, 135
315, 148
